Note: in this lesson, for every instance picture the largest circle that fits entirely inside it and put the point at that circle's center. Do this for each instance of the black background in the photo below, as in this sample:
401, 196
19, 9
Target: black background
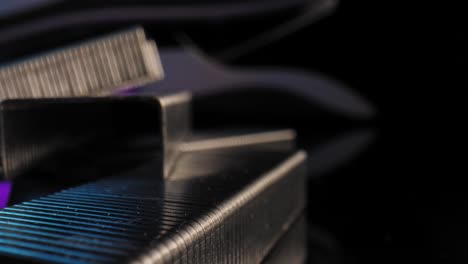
403, 199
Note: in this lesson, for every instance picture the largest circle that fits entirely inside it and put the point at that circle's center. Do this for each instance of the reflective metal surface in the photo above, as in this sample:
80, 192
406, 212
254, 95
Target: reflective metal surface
60, 132
233, 213
97, 67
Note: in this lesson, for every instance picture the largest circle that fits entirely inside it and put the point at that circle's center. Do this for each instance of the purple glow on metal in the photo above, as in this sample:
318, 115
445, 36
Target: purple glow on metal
126, 91
5, 190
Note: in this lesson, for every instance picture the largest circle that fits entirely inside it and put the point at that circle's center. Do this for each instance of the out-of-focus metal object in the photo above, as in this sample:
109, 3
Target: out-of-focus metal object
13, 7
97, 67
180, 15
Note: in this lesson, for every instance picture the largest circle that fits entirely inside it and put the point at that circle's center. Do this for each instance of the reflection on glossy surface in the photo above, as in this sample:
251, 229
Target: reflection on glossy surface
305, 243
322, 246
327, 156
291, 247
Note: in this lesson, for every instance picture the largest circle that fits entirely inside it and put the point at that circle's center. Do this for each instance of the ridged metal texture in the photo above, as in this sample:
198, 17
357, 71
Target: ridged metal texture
230, 213
36, 131
97, 67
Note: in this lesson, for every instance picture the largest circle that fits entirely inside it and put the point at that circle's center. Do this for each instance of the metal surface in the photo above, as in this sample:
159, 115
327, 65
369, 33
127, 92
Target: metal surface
97, 67
291, 248
150, 199
176, 126
233, 215
46, 132
280, 139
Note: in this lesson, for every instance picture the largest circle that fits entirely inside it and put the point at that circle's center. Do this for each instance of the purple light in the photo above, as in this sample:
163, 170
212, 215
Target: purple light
5, 189
126, 91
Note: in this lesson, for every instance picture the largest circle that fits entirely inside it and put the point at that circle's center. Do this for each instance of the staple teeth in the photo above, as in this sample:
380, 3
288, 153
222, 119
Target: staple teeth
98, 67
137, 219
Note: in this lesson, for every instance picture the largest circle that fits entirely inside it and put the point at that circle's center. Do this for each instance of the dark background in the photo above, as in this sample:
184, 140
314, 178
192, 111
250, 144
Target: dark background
403, 199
